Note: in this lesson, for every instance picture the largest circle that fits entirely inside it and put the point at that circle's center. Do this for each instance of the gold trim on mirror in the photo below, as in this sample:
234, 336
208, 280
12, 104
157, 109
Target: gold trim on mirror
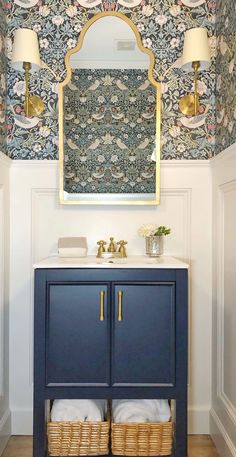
158, 115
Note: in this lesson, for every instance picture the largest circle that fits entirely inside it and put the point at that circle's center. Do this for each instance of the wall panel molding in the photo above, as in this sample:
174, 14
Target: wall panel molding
223, 413
224, 189
5, 423
224, 444
2, 277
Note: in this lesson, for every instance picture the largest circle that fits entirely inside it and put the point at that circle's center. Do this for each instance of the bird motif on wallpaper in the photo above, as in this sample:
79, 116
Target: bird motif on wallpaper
117, 116
26, 122
147, 115
94, 86
98, 116
95, 144
98, 174
147, 175
109, 5
144, 86
69, 117
117, 174
72, 86
120, 144
120, 85
193, 3
69, 175
144, 144
26, 3
71, 145
195, 121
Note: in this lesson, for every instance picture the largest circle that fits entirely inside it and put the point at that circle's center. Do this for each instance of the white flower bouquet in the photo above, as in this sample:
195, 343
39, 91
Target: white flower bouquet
153, 230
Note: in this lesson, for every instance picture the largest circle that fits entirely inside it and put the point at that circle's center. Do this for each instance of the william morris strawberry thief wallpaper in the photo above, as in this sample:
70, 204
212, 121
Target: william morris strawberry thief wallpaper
162, 24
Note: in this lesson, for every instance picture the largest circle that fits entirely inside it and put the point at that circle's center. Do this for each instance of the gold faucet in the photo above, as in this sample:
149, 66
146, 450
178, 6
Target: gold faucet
101, 248
122, 249
112, 245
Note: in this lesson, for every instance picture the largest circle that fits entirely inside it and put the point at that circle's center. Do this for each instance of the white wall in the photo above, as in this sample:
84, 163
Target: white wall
4, 300
38, 220
223, 413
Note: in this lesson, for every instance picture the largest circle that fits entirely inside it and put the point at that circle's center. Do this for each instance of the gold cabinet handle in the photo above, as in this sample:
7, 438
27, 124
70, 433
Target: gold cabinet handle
120, 295
102, 296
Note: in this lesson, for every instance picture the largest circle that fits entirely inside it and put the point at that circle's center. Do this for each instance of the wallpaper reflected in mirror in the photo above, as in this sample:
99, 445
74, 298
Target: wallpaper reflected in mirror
110, 119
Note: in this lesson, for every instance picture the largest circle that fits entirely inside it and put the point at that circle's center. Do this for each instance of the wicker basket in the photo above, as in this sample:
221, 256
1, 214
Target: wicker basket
142, 439
78, 438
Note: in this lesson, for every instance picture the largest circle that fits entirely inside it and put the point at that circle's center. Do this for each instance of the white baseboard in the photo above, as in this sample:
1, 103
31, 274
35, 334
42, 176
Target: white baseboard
5, 429
198, 420
22, 422
224, 444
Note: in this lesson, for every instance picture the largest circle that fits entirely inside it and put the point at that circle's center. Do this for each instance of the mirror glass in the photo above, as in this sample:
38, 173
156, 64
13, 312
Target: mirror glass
109, 117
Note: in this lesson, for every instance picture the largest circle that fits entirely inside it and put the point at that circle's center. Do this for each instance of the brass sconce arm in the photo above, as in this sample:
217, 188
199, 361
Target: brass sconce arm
189, 104
196, 66
33, 105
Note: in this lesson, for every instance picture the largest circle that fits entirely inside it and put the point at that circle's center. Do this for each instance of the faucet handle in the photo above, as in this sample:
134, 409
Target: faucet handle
122, 243
101, 248
122, 249
101, 245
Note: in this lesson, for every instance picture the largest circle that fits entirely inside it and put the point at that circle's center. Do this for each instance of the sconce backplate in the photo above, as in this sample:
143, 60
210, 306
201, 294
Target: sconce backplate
187, 106
36, 106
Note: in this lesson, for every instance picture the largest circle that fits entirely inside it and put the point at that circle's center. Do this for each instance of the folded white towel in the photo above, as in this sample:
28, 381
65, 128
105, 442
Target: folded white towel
78, 410
72, 247
72, 252
140, 411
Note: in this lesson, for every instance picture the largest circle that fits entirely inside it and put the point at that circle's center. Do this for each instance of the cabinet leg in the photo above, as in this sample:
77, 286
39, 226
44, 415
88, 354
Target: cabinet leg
180, 441
40, 432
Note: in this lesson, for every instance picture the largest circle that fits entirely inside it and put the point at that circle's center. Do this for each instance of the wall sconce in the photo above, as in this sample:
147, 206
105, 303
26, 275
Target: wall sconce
196, 57
25, 57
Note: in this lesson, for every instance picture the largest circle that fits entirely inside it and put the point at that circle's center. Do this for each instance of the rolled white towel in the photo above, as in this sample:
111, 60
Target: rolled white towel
140, 411
78, 410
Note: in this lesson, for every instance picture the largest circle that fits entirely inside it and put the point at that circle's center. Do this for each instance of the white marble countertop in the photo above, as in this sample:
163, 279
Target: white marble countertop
93, 262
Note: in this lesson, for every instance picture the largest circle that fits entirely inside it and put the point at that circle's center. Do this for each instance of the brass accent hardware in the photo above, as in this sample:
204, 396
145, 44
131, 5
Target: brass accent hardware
120, 294
102, 296
122, 249
34, 105
189, 104
112, 245
101, 248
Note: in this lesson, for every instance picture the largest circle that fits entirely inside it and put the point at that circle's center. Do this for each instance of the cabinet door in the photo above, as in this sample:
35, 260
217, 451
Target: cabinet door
144, 338
77, 348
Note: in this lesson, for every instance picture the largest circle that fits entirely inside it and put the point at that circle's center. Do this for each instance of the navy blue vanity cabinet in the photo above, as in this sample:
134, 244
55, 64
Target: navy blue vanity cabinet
144, 334
77, 335
110, 333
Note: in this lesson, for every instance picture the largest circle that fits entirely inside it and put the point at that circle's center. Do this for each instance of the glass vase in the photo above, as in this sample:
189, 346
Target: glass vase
154, 245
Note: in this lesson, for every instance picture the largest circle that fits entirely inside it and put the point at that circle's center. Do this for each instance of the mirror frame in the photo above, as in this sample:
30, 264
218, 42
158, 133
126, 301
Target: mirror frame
158, 115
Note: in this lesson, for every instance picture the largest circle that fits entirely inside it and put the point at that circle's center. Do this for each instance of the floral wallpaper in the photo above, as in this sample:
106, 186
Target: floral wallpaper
226, 75
161, 23
110, 130
3, 72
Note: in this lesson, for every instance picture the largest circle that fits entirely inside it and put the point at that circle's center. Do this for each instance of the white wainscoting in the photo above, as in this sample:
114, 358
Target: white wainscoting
223, 413
5, 425
38, 220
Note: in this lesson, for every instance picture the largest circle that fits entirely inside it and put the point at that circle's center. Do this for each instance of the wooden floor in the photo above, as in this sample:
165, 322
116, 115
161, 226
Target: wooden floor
199, 446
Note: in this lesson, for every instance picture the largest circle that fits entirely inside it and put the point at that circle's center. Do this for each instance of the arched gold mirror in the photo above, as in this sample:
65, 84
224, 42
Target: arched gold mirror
109, 117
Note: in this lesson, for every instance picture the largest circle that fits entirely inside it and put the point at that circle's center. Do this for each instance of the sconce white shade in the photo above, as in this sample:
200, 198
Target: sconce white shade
196, 49
25, 49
